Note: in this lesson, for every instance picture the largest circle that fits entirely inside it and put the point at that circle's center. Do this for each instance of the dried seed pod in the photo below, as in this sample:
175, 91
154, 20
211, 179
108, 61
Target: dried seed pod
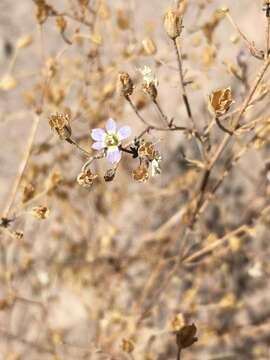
86, 178
60, 122
125, 84
185, 337
53, 181
127, 346
173, 23
221, 101
141, 173
109, 175
122, 19
28, 192
146, 150
43, 11
61, 23
40, 212
151, 90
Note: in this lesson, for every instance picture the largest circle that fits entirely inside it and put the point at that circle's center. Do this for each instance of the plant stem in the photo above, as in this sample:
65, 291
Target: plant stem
163, 116
22, 166
179, 353
182, 82
267, 35
137, 112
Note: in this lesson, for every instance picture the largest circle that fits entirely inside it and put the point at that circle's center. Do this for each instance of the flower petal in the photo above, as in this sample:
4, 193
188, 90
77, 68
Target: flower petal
98, 134
124, 132
98, 145
114, 154
111, 126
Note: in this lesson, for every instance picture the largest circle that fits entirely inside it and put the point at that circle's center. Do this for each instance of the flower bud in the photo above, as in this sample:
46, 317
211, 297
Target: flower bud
173, 23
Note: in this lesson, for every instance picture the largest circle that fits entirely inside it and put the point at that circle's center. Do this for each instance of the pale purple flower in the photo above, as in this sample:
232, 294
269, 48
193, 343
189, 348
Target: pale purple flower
110, 139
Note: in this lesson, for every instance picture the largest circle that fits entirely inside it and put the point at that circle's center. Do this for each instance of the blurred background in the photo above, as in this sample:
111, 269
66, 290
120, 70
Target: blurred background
107, 272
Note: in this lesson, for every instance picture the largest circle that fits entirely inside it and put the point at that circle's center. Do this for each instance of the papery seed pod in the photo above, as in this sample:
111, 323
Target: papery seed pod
127, 346
28, 192
221, 101
151, 90
146, 150
185, 337
60, 122
182, 6
43, 11
53, 181
125, 84
141, 173
40, 212
61, 23
18, 235
86, 178
122, 19
172, 22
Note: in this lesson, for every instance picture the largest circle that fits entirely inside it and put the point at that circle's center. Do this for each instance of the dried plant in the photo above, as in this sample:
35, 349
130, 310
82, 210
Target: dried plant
136, 210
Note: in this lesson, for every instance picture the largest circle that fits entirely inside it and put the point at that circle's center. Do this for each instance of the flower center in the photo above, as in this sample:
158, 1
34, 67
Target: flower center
112, 140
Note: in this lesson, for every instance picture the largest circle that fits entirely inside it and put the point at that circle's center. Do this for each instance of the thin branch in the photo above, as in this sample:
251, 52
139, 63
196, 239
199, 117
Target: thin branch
22, 166
182, 81
267, 36
259, 54
163, 116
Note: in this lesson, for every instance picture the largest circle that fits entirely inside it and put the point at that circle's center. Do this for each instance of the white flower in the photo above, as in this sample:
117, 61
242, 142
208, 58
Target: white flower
148, 76
110, 139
